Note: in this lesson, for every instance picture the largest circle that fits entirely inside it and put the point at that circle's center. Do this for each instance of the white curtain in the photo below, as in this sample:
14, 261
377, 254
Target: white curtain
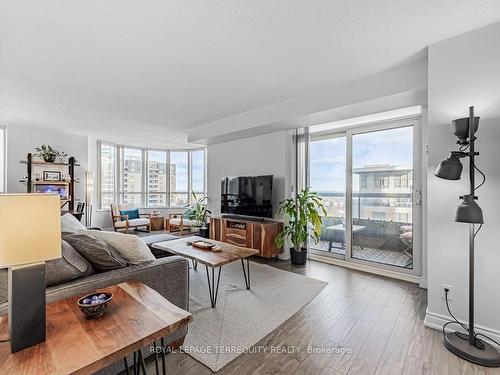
300, 168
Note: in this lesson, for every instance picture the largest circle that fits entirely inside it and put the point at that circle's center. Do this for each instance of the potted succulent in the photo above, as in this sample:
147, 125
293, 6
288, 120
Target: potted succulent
48, 153
302, 216
198, 213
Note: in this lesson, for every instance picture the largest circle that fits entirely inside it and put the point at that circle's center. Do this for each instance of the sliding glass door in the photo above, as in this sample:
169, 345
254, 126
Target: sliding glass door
368, 179
382, 199
327, 171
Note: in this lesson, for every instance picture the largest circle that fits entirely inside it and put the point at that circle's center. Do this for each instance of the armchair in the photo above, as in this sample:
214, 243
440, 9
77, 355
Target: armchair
122, 222
177, 222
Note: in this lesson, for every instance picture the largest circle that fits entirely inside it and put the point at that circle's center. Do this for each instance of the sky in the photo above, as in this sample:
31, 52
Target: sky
180, 159
328, 157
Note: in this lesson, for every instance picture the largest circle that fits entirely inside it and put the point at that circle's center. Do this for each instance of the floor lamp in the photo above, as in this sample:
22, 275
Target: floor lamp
467, 345
89, 195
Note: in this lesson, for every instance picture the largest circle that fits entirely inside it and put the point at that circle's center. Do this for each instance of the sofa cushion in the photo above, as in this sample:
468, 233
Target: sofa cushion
4, 285
130, 247
132, 223
69, 267
177, 221
99, 253
132, 214
69, 223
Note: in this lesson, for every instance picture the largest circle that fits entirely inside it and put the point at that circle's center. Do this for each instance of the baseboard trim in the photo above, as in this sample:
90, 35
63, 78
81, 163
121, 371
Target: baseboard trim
365, 268
437, 321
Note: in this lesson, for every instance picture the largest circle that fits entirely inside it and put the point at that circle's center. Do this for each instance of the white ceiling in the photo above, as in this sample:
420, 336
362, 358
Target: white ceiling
147, 71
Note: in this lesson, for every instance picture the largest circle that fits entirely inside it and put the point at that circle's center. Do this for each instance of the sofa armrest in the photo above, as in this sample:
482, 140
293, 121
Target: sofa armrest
168, 276
120, 217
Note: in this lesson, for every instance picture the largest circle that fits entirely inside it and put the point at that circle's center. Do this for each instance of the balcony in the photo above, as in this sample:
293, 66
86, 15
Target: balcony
382, 228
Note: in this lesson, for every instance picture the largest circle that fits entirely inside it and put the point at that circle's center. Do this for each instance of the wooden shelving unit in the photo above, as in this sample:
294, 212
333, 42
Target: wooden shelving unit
30, 163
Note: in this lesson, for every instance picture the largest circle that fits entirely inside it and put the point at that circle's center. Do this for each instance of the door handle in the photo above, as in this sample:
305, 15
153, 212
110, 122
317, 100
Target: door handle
417, 197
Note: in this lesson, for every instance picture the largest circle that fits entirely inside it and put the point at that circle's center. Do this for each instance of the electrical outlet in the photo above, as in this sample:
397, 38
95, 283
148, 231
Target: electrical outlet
450, 292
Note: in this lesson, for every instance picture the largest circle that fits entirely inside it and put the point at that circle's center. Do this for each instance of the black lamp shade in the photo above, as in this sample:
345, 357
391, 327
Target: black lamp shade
449, 169
469, 211
460, 128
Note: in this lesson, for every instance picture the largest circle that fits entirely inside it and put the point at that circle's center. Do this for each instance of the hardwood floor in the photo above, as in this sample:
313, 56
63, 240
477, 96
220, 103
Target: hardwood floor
378, 320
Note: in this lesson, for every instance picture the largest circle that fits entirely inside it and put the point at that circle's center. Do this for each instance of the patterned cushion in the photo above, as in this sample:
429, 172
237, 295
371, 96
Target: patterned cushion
99, 253
71, 266
132, 214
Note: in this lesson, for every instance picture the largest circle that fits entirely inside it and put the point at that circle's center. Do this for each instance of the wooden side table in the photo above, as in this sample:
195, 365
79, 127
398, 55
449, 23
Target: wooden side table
157, 222
137, 316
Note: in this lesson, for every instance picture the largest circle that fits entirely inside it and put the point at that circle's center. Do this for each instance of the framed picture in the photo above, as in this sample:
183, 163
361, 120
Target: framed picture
51, 176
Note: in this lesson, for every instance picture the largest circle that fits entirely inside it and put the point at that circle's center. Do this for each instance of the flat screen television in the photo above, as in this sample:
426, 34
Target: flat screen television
247, 196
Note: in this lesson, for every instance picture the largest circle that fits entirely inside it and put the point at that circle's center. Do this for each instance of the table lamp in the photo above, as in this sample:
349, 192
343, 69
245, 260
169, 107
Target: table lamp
30, 233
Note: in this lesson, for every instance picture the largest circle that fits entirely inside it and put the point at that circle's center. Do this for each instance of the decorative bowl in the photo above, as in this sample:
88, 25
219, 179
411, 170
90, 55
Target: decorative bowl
94, 304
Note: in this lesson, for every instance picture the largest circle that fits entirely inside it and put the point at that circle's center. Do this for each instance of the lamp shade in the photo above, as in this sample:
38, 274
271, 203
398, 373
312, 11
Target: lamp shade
469, 211
460, 128
89, 187
449, 169
30, 228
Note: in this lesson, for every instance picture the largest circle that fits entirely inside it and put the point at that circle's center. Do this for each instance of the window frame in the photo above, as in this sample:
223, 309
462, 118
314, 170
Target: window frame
118, 193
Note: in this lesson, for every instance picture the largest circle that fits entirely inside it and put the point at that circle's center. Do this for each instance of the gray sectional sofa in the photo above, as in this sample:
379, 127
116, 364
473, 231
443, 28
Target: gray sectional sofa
169, 276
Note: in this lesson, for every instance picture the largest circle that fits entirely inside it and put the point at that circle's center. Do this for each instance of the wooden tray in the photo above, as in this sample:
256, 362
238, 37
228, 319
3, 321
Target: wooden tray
205, 245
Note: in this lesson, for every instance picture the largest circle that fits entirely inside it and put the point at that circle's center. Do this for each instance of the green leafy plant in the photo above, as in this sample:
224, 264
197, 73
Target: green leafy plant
198, 212
48, 153
302, 216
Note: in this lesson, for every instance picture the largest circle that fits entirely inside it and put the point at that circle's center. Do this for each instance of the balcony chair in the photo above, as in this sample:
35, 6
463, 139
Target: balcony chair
123, 222
406, 238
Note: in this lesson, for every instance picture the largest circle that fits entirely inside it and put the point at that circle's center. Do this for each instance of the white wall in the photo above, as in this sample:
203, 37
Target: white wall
260, 155
464, 71
24, 139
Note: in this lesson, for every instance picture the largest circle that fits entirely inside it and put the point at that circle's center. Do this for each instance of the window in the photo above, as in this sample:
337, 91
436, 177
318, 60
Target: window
157, 179
108, 183
179, 190
149, 178
198, 171
132, 188
3, 151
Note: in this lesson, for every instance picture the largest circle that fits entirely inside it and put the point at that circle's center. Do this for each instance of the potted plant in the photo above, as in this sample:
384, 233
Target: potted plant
198, 213
302, 216
48, 153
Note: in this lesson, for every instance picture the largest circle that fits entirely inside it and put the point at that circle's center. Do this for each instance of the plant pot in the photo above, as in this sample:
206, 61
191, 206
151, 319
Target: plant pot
49, 158
298, 258
204, 231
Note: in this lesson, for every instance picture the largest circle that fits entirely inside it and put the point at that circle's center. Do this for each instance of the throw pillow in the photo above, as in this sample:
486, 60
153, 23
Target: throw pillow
132, 214
69, 223
69, 267
99, 253
130, 247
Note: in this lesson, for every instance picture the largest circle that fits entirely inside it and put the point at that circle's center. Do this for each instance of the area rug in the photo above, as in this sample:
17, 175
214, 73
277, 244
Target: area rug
242, 317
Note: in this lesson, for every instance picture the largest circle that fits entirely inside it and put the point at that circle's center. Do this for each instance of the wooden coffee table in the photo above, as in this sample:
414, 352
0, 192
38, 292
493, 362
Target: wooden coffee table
211, 259
137, 316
